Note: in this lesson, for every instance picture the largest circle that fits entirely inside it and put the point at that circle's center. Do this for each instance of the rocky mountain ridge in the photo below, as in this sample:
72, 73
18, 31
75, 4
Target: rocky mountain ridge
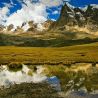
29, 27
77, 19
71, 20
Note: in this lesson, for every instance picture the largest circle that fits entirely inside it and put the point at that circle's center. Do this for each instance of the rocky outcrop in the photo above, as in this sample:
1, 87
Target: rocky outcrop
46, 25
1, 28
32, 26
10, 27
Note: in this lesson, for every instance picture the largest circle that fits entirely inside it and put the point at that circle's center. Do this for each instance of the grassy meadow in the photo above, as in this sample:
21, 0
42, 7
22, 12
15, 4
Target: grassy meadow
87, 53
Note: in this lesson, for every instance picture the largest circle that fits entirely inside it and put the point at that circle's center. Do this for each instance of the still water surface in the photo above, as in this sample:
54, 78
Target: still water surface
84, 85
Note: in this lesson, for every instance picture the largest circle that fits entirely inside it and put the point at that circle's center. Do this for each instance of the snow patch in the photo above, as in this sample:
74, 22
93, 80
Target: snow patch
40, 27
94, 6
26, 27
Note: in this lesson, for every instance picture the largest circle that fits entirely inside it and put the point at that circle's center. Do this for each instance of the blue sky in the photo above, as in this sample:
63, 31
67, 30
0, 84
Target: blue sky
52, 11
81, 3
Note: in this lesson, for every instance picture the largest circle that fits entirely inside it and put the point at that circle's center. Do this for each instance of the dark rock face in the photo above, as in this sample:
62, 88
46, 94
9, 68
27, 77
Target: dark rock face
67, 16
80, 17
92, 14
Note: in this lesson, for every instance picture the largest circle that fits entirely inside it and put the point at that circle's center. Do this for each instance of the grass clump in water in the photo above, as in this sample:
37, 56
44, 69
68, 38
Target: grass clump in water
15, 66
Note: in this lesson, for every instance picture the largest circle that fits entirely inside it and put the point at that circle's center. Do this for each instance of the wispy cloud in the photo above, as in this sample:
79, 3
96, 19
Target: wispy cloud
51, 3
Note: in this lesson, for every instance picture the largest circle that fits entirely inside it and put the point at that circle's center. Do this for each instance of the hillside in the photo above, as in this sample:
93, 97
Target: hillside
16, 40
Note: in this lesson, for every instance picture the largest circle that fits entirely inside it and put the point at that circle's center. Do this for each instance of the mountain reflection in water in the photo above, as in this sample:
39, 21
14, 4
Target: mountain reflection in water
82, 80
8, 78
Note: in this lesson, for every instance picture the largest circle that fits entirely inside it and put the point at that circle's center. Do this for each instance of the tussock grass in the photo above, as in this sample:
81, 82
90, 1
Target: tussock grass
51, 56
15, 66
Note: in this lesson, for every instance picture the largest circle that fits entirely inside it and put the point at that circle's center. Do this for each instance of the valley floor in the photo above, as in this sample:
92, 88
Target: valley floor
87, 53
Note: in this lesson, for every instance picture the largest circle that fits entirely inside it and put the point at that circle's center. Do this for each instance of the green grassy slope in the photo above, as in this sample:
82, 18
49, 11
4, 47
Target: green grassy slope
17, 40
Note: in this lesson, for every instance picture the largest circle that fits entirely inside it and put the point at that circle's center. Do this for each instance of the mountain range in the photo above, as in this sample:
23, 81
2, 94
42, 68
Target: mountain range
74, 24
71, 20
78, 19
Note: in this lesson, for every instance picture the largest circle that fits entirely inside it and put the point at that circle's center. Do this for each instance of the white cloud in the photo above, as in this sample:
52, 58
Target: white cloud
51, 3
3, 14
94, 6
55, 12
30, 11
53, 19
